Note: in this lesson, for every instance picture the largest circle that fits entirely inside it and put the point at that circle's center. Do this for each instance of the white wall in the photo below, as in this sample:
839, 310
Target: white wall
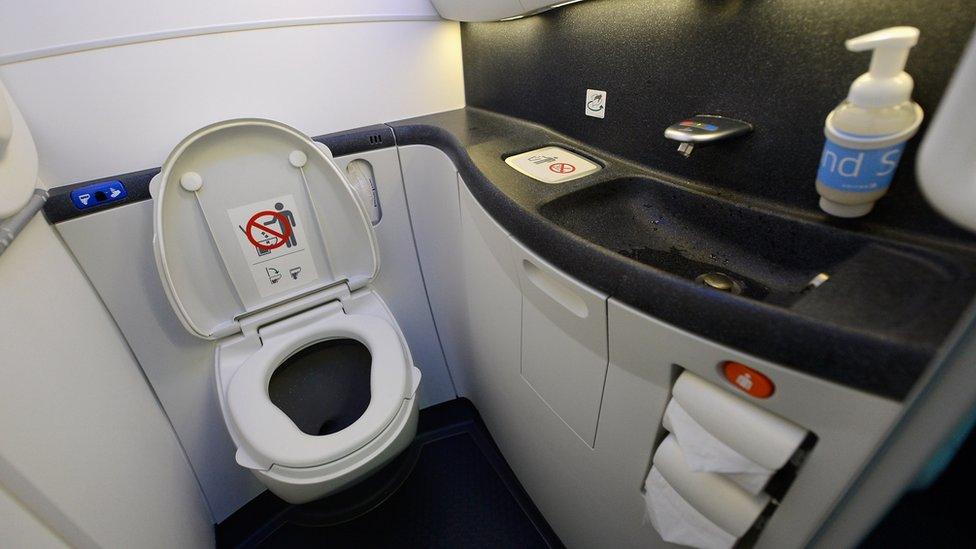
33, 28
85, 445
110, 86
29, 532
100, 112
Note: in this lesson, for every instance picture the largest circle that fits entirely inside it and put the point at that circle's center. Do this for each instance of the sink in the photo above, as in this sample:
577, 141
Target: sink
771, 257
690, 234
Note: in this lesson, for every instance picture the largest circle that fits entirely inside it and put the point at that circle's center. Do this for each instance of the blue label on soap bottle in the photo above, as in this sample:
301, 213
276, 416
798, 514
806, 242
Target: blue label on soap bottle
858, 170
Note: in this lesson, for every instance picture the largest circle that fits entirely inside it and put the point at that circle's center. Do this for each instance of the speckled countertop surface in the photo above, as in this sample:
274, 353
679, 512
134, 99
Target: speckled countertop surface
892, 299
876, 333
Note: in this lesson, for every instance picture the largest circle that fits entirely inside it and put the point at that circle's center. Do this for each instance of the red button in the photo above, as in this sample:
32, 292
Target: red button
748, 380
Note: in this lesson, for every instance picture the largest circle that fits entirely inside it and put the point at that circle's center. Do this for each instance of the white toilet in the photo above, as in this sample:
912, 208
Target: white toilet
263, 246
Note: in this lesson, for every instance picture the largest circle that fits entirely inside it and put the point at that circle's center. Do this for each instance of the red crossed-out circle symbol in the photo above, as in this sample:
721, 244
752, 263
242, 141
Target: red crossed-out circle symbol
562, 167
253, 225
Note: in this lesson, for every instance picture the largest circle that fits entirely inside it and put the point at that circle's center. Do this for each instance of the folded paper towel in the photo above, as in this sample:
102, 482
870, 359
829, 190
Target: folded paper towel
677, 521
759, 435
704, 452
714, 496
705, 486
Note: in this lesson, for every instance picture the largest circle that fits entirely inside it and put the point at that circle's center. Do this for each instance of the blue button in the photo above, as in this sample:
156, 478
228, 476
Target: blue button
98, 194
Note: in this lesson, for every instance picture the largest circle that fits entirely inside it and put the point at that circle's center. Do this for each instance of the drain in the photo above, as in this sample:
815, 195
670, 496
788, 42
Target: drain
721, 282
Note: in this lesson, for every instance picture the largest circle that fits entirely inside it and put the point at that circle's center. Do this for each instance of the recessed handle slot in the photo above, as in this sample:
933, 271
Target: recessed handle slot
555, 289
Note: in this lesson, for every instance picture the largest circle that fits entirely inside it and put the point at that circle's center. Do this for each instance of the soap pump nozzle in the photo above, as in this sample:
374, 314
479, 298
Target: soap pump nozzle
886, 83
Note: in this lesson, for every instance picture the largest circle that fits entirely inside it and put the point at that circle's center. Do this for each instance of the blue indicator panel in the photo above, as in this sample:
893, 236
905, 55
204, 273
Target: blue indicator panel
100, 193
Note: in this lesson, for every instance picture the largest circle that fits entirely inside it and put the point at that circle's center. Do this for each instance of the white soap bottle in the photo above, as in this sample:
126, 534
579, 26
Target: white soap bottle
866, 133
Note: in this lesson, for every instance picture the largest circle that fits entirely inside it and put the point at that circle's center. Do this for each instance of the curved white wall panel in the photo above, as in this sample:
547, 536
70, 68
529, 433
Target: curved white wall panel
39, 28
21, 528
114, 110
86, 446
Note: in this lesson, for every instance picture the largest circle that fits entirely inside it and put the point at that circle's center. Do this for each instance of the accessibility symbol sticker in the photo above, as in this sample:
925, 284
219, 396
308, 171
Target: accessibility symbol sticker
273, 241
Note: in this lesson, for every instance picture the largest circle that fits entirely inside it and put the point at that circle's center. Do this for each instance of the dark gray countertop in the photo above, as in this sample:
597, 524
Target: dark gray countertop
847, 333
876, 334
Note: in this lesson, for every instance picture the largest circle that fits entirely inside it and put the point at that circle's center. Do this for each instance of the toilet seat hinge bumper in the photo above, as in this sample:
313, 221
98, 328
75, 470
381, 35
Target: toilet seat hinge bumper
251, 323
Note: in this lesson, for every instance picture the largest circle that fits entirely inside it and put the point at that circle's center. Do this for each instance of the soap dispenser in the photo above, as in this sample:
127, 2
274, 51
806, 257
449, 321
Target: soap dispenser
866, 133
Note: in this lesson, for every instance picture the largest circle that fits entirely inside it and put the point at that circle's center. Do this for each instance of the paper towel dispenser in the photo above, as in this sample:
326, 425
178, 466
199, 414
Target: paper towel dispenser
711, 476
493, 10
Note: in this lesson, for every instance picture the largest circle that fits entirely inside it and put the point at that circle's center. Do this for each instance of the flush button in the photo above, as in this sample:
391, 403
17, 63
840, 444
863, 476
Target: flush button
105, 192
748, 380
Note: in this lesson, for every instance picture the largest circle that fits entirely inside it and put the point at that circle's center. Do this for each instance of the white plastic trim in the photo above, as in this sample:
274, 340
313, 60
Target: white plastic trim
125, 40
18, 158
945, 167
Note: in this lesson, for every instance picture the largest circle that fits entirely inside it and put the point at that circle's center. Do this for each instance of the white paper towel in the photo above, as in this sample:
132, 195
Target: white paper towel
704, 452
752, 431
749, 482
715, 496
677, 521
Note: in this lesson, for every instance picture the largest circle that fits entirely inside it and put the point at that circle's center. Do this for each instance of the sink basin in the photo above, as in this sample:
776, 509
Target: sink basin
771, 257
690, 234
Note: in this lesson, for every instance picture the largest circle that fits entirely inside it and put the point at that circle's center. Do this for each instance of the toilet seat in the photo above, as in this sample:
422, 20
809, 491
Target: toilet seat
263, 247
269, 437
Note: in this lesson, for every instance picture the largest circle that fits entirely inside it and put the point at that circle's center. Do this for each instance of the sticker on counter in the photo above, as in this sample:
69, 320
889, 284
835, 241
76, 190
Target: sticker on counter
272, 239
552, 164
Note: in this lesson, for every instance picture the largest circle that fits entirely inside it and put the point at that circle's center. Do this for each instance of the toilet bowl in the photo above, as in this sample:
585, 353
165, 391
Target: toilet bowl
263, 247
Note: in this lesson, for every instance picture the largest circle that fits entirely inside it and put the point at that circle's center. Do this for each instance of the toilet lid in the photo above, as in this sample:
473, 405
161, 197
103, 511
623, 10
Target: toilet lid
249, 214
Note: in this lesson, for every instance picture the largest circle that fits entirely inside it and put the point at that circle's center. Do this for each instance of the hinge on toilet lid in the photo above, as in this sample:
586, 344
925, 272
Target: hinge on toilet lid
251, 321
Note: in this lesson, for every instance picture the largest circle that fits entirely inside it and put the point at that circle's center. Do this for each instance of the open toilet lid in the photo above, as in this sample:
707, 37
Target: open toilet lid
251, 213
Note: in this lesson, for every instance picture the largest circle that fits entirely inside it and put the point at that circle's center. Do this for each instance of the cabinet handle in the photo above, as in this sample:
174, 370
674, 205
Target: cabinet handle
555, 289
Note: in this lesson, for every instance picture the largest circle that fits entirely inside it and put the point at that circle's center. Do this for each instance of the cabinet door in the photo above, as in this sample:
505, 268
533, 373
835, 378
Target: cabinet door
491, 303
564, 341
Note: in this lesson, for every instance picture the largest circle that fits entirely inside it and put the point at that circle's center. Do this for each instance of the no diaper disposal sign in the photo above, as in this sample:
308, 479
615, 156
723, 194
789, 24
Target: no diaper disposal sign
272, 239
260, 234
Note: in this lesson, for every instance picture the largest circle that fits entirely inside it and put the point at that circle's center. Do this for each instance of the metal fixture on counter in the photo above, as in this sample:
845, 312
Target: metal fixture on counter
816, 281
703, 129
721, 282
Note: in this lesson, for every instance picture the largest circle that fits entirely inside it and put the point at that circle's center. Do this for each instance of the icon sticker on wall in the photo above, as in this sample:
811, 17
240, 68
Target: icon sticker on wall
273, 240
596, 103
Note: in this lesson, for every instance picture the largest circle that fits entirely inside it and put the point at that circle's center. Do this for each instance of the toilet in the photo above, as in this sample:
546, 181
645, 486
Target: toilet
263, 247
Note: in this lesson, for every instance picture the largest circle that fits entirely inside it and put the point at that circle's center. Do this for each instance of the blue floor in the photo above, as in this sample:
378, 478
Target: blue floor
938, 516
452, 488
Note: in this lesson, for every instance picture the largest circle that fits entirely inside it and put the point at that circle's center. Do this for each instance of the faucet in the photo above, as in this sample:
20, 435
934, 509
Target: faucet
703, 129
